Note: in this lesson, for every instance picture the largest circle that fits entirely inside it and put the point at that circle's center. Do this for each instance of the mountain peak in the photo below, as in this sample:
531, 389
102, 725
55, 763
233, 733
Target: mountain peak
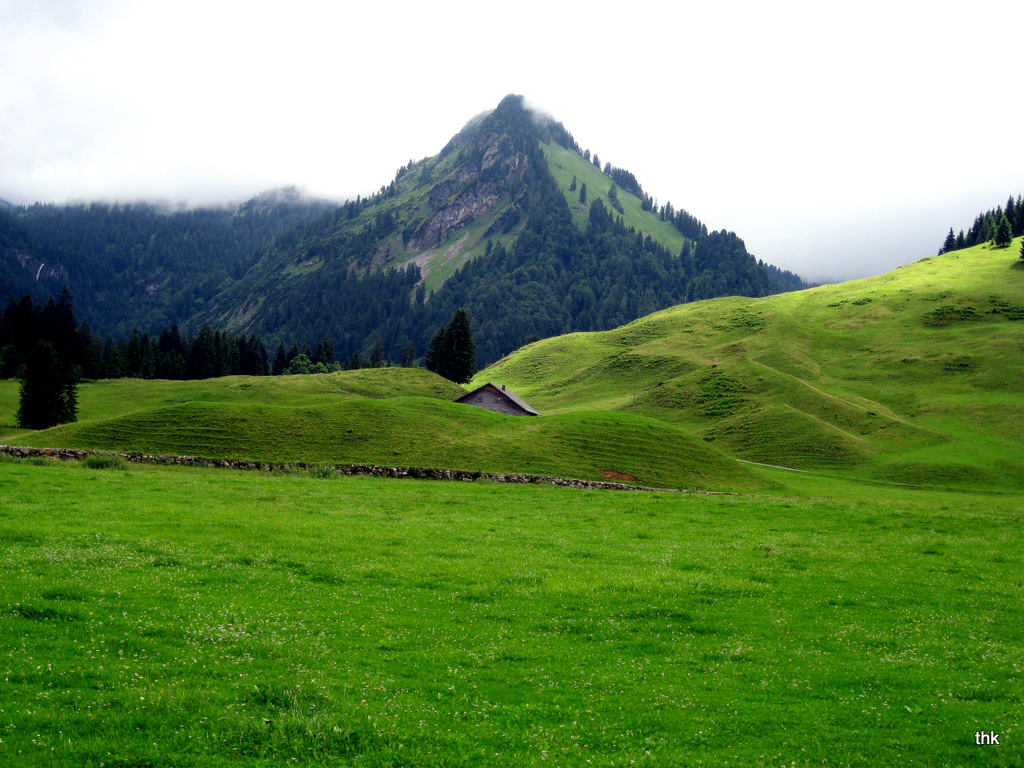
514, 118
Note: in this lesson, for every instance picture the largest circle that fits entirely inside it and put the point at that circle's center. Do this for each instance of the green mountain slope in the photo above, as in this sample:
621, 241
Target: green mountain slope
914, 376
566, 163
490, 224
141, 265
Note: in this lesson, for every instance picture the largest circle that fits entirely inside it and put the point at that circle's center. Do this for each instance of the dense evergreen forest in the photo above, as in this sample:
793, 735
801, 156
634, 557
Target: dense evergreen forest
288, 271
139, 265
999, 226
84, 354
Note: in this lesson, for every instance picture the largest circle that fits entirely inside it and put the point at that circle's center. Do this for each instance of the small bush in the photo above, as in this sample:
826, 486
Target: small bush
105, 461
947, 315
323, 473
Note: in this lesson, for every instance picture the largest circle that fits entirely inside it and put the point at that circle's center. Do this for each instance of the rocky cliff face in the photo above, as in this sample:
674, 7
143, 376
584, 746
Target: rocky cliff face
492, 166
25, 272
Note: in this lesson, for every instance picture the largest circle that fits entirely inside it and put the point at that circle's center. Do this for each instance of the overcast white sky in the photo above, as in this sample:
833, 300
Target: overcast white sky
838, 139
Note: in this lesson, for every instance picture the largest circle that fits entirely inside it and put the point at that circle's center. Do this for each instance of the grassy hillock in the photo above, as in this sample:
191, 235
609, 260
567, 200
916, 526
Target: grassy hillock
911, 377
118, 397
385, 416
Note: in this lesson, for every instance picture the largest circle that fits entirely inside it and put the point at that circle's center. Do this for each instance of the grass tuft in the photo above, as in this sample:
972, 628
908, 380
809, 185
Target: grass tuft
104, 461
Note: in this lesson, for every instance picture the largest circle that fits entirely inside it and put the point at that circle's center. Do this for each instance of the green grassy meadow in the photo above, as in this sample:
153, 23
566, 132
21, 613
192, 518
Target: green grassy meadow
177, 617
858, 603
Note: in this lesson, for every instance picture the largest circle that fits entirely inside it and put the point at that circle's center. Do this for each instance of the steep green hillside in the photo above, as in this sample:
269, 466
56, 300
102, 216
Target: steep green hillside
914, 376
134, 265
566, 163
388, 416
490, 224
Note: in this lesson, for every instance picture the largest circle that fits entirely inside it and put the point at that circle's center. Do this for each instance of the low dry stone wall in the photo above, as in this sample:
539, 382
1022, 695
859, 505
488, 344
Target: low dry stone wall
74, 454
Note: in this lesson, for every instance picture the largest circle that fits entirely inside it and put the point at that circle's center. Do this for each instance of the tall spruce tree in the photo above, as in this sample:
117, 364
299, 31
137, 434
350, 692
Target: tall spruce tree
949, 244
452, 352
462, 350
49, 391
1003, 233
408, 354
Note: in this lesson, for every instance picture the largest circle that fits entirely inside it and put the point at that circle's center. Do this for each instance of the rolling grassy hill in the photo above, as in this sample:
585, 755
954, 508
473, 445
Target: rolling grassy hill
911, 377
390, 416
914, 376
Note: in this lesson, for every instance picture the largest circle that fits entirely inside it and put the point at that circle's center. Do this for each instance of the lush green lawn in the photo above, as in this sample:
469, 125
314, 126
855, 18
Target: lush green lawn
162, 617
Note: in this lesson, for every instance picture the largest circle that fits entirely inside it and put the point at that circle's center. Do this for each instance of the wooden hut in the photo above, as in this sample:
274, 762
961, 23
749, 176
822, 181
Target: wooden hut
497, 399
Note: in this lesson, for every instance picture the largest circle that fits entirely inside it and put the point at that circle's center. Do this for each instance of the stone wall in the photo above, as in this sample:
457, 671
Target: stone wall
74, 454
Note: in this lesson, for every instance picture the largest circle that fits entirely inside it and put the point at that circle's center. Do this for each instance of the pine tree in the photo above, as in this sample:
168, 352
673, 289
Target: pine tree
1003, 233
355, 362
408, 354
950, 243
377, 354
613, 198
583, 193
280, 360
49, 392
202, 362
434, 357
325, 352
452, 352
461, 349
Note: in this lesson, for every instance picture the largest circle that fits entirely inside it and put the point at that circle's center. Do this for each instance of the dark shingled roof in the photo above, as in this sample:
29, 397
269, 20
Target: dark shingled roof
505, 393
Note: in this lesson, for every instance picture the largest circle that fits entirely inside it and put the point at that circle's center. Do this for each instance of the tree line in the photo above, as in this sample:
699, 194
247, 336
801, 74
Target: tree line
44, 347
998, 226
205, 354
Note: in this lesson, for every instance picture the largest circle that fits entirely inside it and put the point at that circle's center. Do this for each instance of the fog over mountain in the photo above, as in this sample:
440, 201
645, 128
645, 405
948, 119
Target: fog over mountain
839, 141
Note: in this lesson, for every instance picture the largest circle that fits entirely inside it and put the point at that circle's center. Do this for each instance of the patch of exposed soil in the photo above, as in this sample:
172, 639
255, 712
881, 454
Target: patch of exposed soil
611, 474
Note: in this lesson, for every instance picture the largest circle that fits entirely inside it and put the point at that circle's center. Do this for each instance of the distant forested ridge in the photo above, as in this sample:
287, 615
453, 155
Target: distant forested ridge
139, 264
999, 226
483, 226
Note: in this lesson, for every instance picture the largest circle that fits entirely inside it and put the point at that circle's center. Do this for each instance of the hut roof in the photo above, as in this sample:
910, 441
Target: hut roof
504, 393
